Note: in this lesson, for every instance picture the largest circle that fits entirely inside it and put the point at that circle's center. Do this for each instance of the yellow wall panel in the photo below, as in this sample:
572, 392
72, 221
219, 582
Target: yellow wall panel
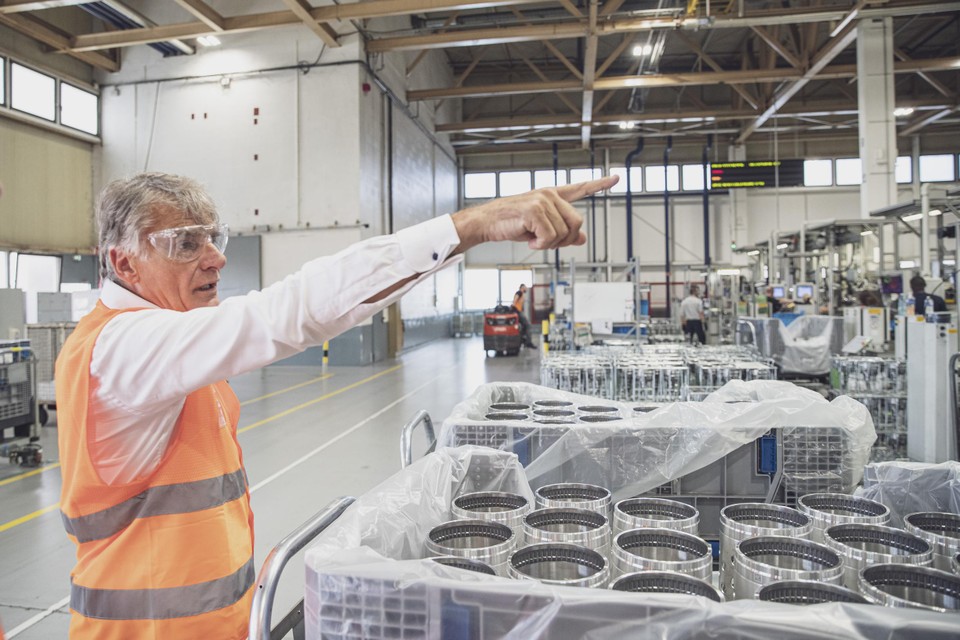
47, 202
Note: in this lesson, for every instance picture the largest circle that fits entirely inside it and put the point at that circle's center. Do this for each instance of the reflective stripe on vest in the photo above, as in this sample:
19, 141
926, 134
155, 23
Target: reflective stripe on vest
162, 500
161, 604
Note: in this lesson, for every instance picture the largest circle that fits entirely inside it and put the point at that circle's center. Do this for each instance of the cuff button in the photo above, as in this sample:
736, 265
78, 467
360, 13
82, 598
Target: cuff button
435, 255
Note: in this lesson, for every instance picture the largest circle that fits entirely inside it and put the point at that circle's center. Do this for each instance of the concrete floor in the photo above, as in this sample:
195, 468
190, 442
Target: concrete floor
308, 436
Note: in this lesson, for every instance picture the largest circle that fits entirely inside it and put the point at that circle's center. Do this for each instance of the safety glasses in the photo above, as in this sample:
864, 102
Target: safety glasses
185, 244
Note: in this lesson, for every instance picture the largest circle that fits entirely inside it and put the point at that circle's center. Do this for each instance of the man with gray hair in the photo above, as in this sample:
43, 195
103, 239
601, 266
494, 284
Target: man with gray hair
155, 495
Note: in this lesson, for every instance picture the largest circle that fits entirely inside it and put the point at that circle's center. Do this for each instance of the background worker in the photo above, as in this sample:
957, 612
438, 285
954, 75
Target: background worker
918, 285
154, 494
691, 315
519, 302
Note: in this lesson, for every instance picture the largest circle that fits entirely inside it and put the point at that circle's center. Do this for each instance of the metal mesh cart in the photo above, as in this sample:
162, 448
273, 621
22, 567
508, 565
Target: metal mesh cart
46, 341
18, 404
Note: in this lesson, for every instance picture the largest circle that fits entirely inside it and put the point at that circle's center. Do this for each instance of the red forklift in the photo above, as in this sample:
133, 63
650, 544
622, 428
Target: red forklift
501, 331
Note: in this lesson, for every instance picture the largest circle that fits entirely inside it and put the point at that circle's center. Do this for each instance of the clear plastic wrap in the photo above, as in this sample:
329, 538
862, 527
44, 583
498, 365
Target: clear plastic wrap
906, 487
825, 444
366, 579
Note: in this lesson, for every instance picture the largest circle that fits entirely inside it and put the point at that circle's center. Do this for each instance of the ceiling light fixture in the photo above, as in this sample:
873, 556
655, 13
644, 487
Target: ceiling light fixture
642, 50
627, 125
902, 112
209, 41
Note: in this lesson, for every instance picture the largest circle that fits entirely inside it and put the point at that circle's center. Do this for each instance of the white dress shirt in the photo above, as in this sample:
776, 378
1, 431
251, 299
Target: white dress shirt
690, 308
146, 362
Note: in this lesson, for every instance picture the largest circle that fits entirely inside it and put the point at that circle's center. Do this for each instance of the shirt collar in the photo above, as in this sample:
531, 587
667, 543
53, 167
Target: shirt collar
113, 296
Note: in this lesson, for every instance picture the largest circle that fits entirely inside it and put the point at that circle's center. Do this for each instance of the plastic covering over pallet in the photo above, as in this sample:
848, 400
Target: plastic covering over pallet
825, 444
366, 579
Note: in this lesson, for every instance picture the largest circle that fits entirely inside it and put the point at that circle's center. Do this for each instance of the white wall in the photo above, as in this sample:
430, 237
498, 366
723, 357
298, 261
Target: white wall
295, 154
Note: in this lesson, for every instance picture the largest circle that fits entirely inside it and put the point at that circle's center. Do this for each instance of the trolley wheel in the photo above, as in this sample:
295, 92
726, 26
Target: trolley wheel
44, 416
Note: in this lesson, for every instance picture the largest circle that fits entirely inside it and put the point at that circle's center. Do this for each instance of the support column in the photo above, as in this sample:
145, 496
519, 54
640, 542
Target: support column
875, 97
739, 222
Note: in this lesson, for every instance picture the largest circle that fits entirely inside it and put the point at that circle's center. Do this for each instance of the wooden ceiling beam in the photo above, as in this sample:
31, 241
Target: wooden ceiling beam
239, 24
696, 48
57, 40
676, 79
834, 47
19, 6
204, 13
779, 47
325, 32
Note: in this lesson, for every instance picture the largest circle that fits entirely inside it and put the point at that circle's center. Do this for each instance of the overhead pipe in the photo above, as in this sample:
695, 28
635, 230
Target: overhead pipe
706, 202
593, 207
666, 218
556, 171
629, 163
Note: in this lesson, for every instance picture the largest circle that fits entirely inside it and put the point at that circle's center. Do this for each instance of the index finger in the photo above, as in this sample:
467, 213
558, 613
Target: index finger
578, 190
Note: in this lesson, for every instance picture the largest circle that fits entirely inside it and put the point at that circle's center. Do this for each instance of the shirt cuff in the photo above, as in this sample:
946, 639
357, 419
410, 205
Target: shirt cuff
425, 246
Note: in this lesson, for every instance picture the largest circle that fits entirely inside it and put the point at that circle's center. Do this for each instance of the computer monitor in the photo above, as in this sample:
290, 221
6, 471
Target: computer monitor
804, 291
891, 284
779, 291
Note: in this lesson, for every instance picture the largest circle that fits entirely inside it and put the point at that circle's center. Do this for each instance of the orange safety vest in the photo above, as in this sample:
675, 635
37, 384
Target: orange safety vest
169, 555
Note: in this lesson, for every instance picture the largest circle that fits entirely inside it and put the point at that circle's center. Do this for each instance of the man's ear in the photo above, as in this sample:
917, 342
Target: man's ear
124, 266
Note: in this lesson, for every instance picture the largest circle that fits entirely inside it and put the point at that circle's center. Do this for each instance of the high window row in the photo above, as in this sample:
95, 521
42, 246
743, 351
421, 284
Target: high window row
48, 97
689, 177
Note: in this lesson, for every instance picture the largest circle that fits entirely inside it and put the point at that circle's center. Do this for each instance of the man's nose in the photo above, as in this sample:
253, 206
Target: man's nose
212, 257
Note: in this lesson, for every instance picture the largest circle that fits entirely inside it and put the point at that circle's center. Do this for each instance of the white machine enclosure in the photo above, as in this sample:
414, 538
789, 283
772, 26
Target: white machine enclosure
930, 435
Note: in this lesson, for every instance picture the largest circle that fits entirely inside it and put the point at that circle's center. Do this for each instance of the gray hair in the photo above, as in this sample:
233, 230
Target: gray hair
129, 208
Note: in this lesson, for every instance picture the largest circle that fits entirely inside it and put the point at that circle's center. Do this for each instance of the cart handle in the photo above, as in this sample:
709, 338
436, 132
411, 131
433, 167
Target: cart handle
753, 332
406, 436
269, 577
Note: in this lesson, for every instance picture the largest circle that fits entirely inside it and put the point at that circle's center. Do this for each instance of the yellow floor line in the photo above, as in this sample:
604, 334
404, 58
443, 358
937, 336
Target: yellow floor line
276, 393
320, 399
28, 474
28, 517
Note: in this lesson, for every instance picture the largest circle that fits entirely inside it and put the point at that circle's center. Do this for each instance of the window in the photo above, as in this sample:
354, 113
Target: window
78, 109
33, 92
582, 175
549, 178
938, 168
849, 171
3, 80
514, 182
480, 185
903, 170
692, 177
817, 173
636, 179
4, 281
655, 178
480, 286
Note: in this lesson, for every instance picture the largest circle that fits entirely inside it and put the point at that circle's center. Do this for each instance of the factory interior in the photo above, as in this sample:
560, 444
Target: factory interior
327, 320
